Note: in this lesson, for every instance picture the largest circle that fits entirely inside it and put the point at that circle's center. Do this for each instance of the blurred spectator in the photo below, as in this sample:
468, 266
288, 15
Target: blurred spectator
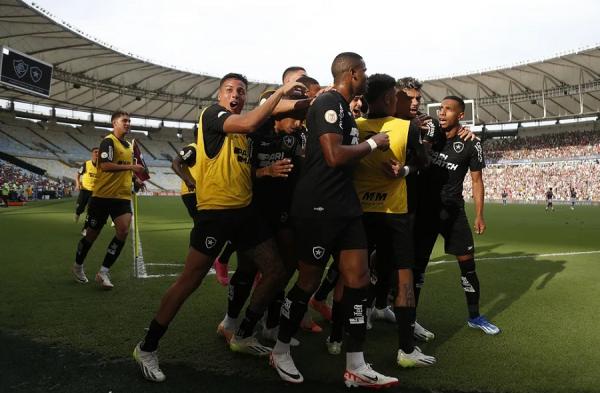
22, 185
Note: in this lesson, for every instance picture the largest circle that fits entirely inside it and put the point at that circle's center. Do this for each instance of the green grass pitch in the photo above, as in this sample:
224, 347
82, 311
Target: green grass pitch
539, 273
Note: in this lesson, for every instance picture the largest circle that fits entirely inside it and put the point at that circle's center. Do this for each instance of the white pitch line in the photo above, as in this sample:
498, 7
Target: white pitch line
509, 257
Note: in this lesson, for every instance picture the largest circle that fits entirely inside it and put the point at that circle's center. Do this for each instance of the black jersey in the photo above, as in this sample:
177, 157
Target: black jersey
573, 193
549, 195
450, 161
267, 147
188, 155
504, 194
323, 191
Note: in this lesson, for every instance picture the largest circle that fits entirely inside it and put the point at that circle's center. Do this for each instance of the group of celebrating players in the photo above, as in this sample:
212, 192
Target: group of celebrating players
352, 172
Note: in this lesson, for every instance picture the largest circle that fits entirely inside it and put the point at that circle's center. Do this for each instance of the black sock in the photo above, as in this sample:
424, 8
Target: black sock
239, 289
82, 250
246, 328
405, 321
274, 310
354, 305
470, 284
418, 282
328, 283
112, 252
226, 253
382, 290
293, 309
337, 322
154, 334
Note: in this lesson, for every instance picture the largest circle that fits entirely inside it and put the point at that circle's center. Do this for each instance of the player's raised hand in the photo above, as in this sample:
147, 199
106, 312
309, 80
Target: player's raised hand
293, 88
479, 225
466, 134
382, 140
281, 168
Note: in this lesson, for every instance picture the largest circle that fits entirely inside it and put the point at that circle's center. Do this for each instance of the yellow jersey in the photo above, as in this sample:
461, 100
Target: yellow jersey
377, 191
88, 174
114, 184
222, 164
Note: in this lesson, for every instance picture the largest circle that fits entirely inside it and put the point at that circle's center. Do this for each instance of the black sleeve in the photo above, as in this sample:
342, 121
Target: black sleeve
414, 137
106, 150
414, 144
476, 162
81, 170
253, 143
326, 116
213, 119
188, 155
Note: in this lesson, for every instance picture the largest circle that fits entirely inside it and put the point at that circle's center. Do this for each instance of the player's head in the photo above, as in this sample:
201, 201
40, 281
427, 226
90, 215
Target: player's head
290, 122
357, 106
291, 74
232, 92
381, 95
451, 112
312, 85
550, 188
349, 68
121, 122
409, 98
95, 154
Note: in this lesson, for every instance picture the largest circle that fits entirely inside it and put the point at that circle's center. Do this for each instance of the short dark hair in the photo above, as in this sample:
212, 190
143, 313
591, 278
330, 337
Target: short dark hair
291, 69
233, 75
94, 149
377, 86
308, 81
461, 102
118, 113
344, 63
409, 82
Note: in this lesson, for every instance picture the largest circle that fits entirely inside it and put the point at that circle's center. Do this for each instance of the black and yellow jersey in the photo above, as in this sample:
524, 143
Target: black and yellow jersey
377, 191
117, 184
188, 156
223, 164
87, 173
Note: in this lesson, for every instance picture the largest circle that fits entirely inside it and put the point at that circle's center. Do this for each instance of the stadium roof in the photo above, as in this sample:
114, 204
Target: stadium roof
89, 74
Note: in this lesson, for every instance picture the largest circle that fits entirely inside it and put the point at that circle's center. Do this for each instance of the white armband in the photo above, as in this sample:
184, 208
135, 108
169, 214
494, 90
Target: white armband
372, 143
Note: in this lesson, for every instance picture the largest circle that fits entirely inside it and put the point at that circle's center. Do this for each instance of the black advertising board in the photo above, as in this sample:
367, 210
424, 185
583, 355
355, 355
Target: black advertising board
23, 72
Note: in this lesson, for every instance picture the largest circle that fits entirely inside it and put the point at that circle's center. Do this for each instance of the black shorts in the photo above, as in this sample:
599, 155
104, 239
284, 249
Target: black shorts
392, 236
189, 200
276, 218
100, 208
82, 201
318, 238
451, 223
242, 227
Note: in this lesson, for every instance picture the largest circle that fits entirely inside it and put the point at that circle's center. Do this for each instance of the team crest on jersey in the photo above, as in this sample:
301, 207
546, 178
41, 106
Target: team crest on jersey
318, 252
458, 146
210, 242
288, 141
331, 116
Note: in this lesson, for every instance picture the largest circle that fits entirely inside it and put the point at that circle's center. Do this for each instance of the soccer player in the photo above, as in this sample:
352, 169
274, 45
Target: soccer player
224, 213
111, 196
327, 219
504, 196
441, 205
549, 197
292, 74
383, 197
573, 195
184, 165
356, 106
84, 182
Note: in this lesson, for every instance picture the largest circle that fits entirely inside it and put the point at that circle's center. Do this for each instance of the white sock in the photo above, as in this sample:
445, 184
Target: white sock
104, 269
229, 323
281, 347
354, 360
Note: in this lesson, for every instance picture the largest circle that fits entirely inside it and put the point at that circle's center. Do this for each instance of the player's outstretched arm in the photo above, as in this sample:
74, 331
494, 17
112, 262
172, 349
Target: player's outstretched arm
336, 154
478, 197
112, 167
249, 122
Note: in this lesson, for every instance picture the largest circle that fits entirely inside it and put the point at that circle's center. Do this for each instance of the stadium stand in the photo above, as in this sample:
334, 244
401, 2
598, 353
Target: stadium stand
25, 185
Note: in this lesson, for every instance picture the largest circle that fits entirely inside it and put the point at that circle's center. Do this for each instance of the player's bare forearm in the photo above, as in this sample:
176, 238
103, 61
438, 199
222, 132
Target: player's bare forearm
112, 167
182, 170
286, 106
478, 193
337, 154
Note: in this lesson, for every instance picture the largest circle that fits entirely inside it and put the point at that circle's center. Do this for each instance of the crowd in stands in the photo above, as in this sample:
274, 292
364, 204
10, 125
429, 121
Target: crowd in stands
564, 145
531, 181
18, 184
